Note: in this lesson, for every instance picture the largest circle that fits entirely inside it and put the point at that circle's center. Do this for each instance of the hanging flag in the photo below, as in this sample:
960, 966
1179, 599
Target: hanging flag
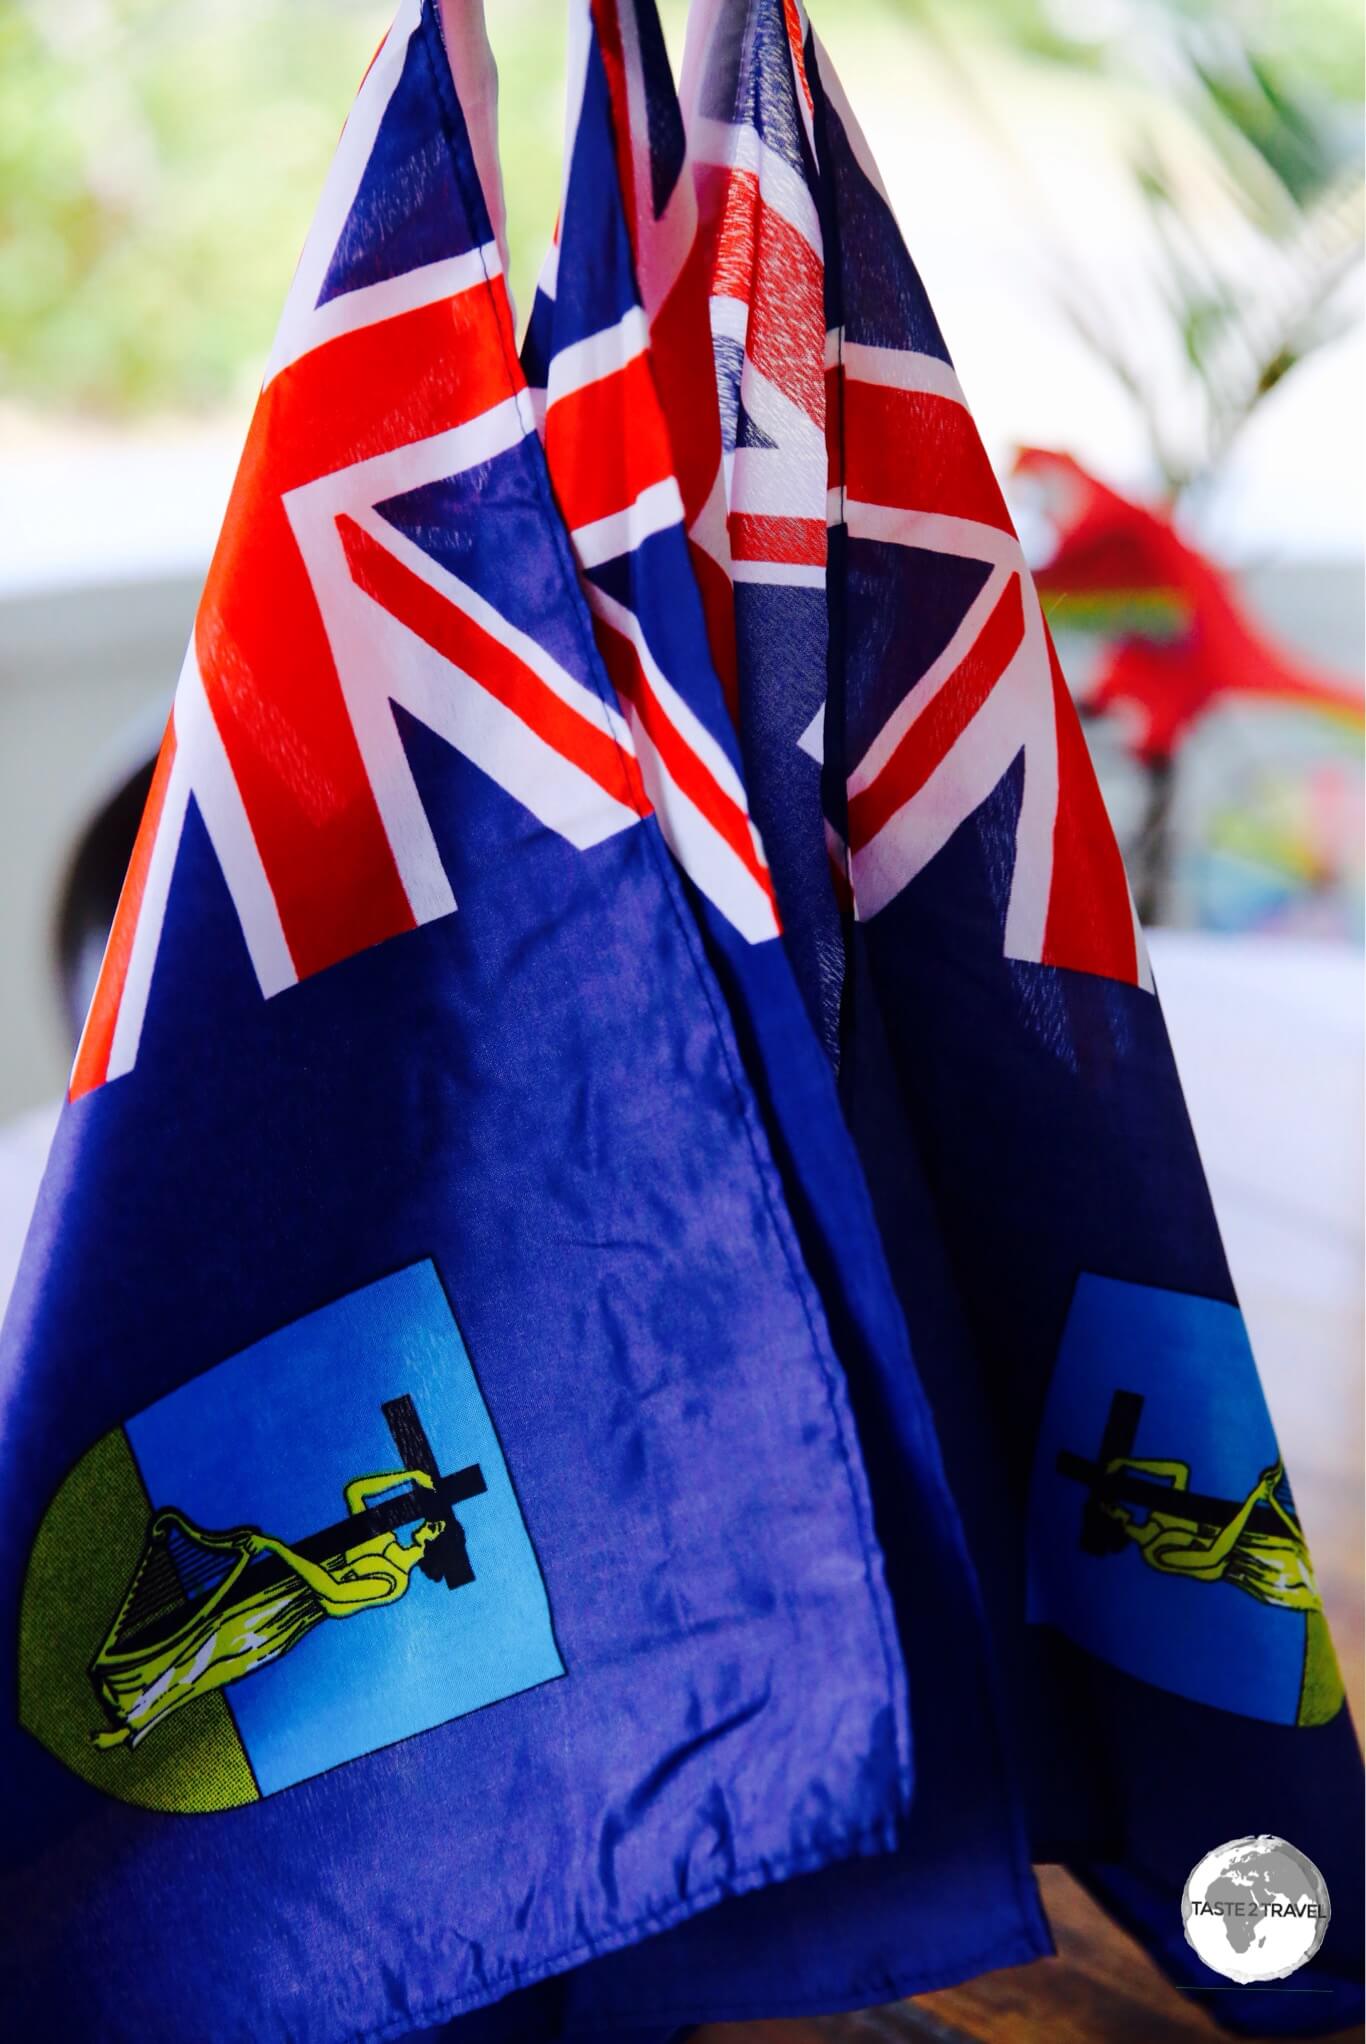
1002, 1060
749, 120
623, 927
598, 369
437, 1546
854, 1934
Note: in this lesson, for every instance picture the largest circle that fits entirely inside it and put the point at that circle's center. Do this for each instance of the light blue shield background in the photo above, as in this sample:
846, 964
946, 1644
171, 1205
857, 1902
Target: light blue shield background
1190, 1361
270, 1437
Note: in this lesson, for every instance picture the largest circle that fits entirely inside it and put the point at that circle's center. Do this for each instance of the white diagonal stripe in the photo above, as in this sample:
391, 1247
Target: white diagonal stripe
123, 1048
900, 369
699, 848
580, 363
966, 538
739, 146
215, 789
370, 303
685, 721
923, 691
620, 532
339, 192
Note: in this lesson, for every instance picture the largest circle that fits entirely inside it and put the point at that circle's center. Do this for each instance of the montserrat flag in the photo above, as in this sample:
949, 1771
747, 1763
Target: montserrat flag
623, 1391
437, 1546
971, 958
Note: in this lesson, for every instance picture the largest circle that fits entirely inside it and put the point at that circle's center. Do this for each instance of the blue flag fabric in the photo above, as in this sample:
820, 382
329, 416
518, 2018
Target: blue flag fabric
1003, 1065
838, 1940
437, 1546
486, 1557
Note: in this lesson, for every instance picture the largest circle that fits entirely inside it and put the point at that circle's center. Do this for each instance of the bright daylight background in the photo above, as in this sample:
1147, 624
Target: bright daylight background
1140, 223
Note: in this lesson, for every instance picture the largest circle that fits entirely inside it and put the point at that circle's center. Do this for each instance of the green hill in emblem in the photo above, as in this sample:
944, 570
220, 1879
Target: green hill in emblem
89, 1547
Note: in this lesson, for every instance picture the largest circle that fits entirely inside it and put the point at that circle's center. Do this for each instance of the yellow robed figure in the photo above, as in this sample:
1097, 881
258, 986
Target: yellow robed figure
1272, 1566
236, 1628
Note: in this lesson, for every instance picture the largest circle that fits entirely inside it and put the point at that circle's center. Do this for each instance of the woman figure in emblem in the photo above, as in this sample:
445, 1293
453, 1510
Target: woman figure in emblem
237, 1627
1274, 1567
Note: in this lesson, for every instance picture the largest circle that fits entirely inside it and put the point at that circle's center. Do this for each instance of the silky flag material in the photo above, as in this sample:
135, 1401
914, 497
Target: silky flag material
1002, 1060
840, 1939
623, 1393
437, 1546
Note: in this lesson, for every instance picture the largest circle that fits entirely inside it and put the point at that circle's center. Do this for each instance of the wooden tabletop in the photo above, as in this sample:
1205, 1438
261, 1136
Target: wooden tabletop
1100, 1989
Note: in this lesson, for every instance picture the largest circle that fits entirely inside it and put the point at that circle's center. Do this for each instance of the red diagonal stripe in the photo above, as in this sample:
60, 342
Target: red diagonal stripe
685, 375
688, 773
936, 730
261, 641
793, 21
1090, 923
97, 1038
718, 609
455, 635
604, 15
272, 687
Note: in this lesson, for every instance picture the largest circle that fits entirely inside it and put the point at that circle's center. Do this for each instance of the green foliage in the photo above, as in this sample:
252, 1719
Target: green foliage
1244, 129
158, 166
1256, 288
160, 161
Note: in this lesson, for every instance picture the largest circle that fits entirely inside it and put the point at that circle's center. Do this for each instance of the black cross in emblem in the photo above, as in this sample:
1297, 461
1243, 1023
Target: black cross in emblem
1101, 1533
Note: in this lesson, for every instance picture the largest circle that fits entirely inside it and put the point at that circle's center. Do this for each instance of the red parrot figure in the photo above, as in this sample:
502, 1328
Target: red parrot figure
1178, 639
